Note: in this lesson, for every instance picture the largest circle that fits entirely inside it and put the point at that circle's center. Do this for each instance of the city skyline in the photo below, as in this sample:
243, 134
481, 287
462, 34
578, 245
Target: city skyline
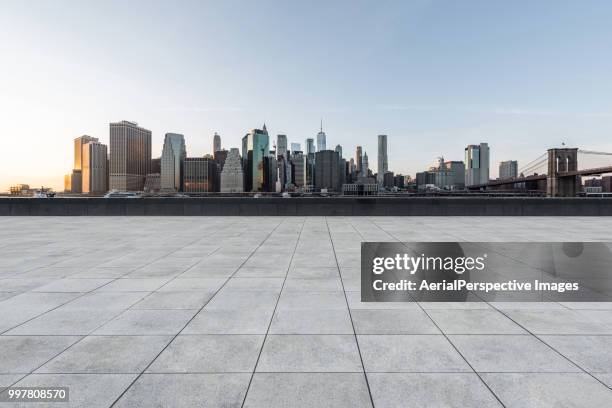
433, 75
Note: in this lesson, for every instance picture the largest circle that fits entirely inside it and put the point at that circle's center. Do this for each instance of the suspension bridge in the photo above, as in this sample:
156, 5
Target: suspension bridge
557, 171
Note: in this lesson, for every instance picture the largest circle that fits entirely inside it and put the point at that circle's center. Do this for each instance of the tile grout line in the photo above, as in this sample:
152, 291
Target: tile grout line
263, 343
193, 317
348, 306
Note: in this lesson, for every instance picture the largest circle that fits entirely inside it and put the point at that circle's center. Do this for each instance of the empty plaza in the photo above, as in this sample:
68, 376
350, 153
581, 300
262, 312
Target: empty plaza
266, 312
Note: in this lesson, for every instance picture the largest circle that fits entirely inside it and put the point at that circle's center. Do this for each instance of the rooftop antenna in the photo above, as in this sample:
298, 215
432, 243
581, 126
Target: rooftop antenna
321, 125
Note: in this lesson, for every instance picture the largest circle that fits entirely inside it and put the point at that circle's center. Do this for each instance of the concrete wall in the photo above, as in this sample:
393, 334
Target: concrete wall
447, 206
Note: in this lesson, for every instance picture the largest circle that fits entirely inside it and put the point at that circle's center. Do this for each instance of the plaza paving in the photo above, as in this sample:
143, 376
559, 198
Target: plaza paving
266, 312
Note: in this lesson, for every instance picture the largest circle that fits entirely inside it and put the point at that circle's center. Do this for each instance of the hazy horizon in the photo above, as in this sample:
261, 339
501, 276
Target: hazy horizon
434, 76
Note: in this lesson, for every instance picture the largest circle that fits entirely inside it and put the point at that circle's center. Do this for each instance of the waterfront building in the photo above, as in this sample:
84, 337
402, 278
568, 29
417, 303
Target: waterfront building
173, 154
232, 176
383, 161
94, 175
476, 164
199, 174
130, 156
508, 169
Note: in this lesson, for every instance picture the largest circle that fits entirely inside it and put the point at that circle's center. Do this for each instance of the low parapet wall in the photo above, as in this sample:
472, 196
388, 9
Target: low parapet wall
328, 206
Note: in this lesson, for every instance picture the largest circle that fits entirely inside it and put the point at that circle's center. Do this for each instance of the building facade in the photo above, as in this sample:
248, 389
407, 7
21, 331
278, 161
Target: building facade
310, 147
281, 145
173, 155
232, 176
327, 171
130, 156
94, 176
216, 143
199, 174
508, 169
321, 140
358, 160
256, 147
383, 161
476, 164
79, 148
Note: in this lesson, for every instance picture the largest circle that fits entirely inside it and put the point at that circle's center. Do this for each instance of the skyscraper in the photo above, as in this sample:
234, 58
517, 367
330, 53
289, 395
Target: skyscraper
298, 168
383, 163
199, 174
339, 150
310, 148
365, 167
281, 145
256, 147
321, 139
94, 175
130, 156
327, 170
477, 164
358, 160
216, 143
173, 155
77, 169
508, 169
232, 176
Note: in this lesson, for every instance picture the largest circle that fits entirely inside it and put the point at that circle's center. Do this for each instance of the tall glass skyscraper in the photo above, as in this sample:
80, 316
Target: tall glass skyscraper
173, 155
310, 147
256, 144
216, 143
321, 139
281, 145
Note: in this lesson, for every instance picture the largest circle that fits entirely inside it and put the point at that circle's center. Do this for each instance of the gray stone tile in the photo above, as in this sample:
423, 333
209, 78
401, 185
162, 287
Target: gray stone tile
410, 353
186, 390
548, 390
314, 285
233, 299
105, 301
269, 284
230, 321
309, 353
591, 353
312, 301
474, 322
72, 285
147, 322
354, 300
134, 285
108, 354
175, 300
85, 390
308, 390
197, 284
510, 353
23, 354
209, 354
393, 322
558, 322
430, 390
65, 322
311, 322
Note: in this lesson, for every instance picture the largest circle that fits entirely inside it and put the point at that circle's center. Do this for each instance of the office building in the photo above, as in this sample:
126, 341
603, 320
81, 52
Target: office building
508, 169
321, 139
477, 164
358, 160
130, 156
388, 180
79, 147
383, 163
152, 183
327, 170
310, 147
76, 181
216, 143
173, 154
68, 183
281, 145
365, 167
199, 174
298, 168
339, 150
94, 175
296, 147
232, 176
256, 148
156, 165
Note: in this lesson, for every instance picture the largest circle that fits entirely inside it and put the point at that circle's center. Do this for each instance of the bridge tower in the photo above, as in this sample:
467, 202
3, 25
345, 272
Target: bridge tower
560, 161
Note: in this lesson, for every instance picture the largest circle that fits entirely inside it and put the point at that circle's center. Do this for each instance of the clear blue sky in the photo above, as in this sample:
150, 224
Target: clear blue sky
433, 75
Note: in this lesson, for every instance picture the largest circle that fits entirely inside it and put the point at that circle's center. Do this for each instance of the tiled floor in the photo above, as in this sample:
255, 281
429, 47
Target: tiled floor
265, 312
